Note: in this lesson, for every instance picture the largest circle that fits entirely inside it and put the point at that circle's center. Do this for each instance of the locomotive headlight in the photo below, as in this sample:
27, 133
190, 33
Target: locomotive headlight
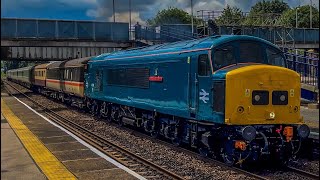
303, 131
248, 133
282, 98
257, 97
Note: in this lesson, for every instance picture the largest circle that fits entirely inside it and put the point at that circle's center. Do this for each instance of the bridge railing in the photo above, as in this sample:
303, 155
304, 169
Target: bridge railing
273, 34
161, 35
63, 30
305, 63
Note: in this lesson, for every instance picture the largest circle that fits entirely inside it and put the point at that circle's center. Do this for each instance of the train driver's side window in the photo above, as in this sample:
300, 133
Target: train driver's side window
203, 65
275, 57
223, 56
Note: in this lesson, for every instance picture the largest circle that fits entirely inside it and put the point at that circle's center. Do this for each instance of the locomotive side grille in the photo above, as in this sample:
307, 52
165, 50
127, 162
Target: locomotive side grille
131, 77
218, 96
138, 77
280, 97
260, 97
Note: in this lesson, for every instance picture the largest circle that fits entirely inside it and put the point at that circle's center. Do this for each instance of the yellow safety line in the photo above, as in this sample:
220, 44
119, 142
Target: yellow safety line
47, 162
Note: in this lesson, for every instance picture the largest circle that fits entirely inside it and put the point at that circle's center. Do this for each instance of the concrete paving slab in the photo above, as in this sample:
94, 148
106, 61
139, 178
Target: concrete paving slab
311, 117
75, 154
105, 174
15, 160
84, 165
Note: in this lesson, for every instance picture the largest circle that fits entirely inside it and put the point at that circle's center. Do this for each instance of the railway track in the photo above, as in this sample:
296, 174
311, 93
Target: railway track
302, 173
136, 163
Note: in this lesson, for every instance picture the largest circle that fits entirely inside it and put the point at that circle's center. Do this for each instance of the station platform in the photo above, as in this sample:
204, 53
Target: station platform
311, 118
32, 147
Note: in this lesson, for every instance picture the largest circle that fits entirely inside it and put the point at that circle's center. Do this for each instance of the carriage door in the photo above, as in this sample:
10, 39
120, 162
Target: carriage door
204, 87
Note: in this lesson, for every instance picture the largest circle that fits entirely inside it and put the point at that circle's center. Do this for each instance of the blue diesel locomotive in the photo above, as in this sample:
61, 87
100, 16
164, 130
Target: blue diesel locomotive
227, 96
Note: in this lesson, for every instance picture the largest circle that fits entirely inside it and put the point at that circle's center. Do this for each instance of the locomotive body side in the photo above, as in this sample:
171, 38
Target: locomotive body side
162, 85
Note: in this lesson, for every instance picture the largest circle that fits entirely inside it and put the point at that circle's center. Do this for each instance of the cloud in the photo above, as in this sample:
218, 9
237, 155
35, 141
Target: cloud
124, 17
102, 9
92, 13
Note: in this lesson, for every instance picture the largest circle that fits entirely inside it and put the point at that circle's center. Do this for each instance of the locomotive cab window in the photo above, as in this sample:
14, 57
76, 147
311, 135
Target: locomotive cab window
250, 52
204, 65
275, 57
223, 56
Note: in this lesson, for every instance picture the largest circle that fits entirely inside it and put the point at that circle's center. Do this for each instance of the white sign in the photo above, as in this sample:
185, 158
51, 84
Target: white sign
203, 96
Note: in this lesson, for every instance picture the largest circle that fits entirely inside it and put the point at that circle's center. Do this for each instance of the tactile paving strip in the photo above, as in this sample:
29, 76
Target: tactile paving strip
45, 160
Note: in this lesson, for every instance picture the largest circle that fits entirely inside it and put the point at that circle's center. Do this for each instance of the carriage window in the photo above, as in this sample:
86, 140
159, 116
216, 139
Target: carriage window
275, 57
66, 74
204, 65
250, 52
71, 74
223, 56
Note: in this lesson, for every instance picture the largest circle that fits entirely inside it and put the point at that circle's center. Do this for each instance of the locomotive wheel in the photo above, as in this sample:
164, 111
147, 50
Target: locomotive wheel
204, 151
176, 142
228, 158
154, 134
100, 117
120, 122
114, 115
109, 119
94, 109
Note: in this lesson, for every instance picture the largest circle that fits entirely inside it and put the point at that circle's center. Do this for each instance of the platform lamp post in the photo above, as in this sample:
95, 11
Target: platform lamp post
310, 13
192, 30
129, 18
114, 13
297, 17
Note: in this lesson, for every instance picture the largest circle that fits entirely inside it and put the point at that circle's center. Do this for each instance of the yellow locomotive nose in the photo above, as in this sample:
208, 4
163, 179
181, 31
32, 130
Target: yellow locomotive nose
262, 94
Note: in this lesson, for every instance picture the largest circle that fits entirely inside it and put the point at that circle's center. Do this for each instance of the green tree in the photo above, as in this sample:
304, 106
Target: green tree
7, 65
303, 13
171, 16
230, 16
266, 12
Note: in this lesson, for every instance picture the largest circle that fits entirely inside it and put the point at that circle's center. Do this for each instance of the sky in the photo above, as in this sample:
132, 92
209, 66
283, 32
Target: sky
141, 10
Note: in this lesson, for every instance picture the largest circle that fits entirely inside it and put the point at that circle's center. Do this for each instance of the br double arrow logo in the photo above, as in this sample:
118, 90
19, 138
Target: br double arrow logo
203, 96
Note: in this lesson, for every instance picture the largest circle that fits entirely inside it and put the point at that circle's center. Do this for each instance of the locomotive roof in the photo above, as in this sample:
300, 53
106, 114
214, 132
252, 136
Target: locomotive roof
181, 46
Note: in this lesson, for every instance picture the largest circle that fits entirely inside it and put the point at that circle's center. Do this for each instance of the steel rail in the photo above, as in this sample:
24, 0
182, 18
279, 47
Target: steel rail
302, 172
